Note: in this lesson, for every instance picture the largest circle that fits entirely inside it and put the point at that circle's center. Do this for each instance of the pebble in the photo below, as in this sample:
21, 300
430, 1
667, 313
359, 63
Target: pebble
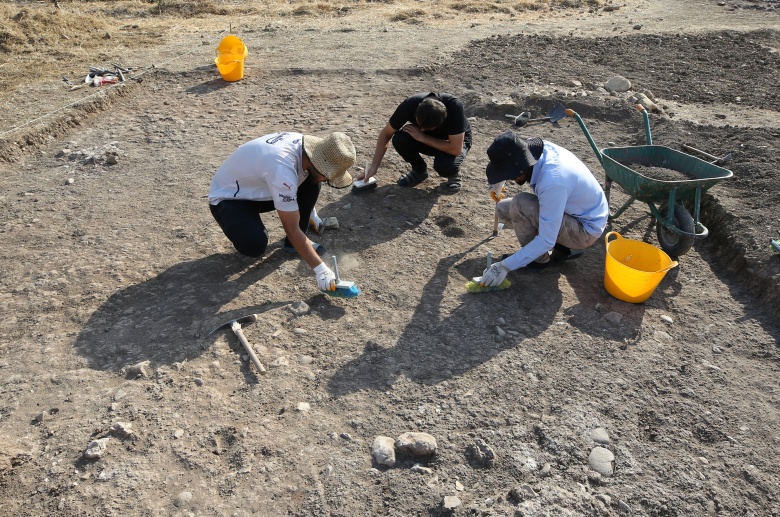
305, 360
451, 502
40, 417
716, 349
600, 460
522, 493
183, 498
600, 435
303, 406
419, 444
546, 470
613, 317
501, 321
623, 506
70, 181
139, 370
299, 331
178, 433
667, 319
480, 453
122, 429
662, 337
298, 308
421, 470
500, 332
198, 381
459, 486
383, 451
96, 448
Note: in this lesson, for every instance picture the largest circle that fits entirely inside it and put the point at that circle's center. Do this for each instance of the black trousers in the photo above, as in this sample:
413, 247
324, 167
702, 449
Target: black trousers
241, 223
444, 164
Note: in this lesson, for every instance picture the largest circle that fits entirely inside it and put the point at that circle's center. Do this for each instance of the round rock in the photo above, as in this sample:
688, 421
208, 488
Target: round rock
600, 460
419, 444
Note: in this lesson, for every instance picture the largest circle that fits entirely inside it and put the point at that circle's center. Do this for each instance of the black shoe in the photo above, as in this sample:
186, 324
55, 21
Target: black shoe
561, 253
537, 265
453, 183
288, 247
412, 178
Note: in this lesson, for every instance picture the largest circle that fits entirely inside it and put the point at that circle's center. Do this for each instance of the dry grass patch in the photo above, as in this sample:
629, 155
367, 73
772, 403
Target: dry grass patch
480, 7
408, 15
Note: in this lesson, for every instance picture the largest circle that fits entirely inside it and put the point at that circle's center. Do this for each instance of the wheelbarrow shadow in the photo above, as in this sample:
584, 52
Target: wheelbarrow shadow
434, 346
162, 319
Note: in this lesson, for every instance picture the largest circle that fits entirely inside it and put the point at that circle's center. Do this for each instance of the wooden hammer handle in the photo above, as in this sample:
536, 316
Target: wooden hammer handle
236, 327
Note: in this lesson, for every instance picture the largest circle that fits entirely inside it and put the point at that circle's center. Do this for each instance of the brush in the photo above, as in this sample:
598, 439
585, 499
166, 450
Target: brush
473, 285
344, 288
364, 185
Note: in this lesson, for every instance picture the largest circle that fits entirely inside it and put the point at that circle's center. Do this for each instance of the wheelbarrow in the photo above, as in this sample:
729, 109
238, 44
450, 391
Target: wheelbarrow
676, 228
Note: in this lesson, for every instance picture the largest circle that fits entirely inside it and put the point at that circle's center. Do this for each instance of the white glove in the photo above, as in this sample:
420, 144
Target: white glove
326, 279
494, 275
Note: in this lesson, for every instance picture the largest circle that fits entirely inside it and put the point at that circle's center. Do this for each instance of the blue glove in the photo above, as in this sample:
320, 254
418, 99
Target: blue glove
494, 275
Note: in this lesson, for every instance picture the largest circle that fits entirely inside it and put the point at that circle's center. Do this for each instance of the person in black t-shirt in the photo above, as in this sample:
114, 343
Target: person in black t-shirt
433, 124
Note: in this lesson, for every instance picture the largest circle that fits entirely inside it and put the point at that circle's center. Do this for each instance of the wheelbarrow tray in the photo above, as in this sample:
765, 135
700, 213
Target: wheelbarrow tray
649, 190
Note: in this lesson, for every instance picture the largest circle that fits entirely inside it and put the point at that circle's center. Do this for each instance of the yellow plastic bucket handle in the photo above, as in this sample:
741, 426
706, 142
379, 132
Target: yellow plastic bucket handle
610, 234
673, 265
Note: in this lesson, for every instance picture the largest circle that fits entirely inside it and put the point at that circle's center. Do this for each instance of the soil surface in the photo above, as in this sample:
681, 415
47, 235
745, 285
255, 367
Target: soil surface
549, 398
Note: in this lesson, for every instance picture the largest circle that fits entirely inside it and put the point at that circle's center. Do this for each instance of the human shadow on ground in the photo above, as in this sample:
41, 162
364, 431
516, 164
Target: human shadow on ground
435, 346
376, 216
161, 319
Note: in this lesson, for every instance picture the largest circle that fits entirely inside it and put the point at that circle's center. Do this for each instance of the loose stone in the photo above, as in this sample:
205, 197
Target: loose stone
383, 452
600, 460
419, 444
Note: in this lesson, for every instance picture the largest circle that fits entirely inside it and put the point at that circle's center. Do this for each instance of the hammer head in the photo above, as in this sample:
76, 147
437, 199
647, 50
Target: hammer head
245, 319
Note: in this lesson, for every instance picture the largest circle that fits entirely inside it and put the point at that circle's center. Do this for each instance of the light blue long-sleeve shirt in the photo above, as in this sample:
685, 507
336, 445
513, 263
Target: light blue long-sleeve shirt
564, 185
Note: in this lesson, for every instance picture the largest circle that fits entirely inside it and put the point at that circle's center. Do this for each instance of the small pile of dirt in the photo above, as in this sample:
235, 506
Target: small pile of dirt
657, 173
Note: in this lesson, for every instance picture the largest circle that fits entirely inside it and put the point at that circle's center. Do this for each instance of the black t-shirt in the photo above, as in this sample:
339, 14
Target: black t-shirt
455, 123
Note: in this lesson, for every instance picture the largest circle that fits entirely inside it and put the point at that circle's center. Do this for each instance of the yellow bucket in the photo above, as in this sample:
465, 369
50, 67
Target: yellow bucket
231, 53
634, 268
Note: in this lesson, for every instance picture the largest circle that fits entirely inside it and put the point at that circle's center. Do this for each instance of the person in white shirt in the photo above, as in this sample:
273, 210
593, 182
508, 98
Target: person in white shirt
566, 213
283, 172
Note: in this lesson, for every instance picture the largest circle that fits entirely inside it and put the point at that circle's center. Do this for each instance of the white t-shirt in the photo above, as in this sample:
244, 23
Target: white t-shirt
265, 169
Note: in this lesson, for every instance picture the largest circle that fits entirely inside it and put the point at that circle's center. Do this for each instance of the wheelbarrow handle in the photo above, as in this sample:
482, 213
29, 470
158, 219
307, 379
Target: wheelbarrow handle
573, 114
641, 109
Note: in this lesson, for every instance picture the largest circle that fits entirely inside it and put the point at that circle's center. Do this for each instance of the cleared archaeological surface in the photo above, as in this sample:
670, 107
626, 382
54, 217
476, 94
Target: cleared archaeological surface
108, 266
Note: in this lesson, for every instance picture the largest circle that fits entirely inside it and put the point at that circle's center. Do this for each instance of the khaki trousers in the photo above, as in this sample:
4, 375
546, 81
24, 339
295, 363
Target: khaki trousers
521, 213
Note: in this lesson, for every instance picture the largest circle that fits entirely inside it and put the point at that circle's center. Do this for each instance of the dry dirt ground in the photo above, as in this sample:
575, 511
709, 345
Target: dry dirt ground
112, 282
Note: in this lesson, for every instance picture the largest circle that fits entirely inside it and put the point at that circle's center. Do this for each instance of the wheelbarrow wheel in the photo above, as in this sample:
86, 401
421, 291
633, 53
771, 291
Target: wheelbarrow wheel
674, 244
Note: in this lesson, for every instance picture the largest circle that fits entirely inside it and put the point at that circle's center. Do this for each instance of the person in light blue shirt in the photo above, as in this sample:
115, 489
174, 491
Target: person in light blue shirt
566, 213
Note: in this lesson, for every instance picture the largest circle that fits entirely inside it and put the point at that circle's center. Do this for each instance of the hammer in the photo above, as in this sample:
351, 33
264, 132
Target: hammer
235, 326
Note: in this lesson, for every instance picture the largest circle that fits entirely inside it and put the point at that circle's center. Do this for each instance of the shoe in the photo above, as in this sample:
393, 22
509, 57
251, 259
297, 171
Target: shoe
412, 178
561, 253
453, 183
319, 248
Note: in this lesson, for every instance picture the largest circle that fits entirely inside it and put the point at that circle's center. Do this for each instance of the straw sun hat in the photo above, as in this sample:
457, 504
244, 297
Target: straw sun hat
332, 156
